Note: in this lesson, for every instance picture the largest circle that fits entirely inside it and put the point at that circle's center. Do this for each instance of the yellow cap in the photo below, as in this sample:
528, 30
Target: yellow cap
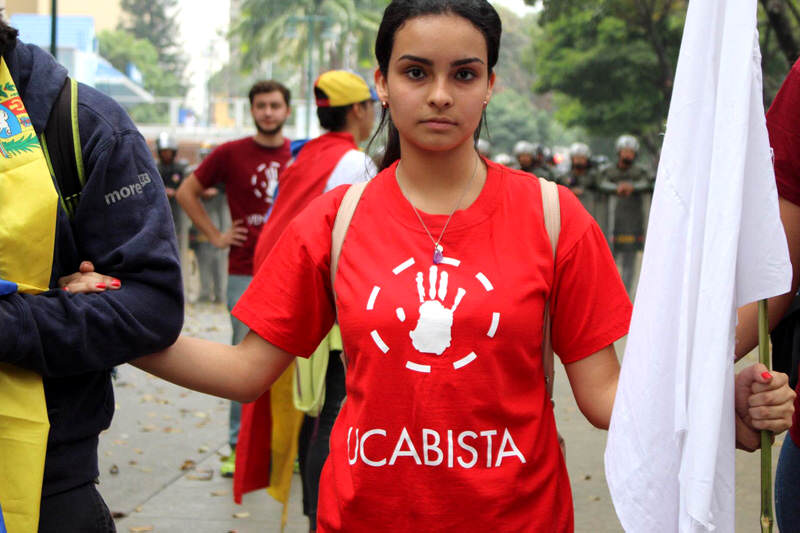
342, 88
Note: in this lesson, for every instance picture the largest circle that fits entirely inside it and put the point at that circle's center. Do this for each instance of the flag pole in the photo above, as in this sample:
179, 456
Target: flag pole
766, 436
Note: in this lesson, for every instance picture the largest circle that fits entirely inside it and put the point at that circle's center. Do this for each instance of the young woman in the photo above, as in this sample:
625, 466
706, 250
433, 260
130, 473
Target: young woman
440, 294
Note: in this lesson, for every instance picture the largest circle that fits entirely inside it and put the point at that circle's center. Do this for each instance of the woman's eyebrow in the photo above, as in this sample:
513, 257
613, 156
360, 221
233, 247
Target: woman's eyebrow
426, 61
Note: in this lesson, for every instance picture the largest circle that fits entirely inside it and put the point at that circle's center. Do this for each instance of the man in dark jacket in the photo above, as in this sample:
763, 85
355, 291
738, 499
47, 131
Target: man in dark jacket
123, 225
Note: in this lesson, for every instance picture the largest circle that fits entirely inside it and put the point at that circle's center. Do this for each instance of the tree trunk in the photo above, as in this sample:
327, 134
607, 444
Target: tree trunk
780, 23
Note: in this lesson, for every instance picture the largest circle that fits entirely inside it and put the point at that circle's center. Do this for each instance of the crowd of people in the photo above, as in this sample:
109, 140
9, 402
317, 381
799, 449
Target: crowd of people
615, 192
423, 282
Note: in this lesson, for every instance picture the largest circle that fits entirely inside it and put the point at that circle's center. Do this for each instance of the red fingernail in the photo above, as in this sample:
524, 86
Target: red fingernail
115, 284
101, 285
766, 375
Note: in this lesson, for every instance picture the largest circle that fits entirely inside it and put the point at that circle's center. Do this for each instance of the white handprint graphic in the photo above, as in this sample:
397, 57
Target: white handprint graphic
433, 332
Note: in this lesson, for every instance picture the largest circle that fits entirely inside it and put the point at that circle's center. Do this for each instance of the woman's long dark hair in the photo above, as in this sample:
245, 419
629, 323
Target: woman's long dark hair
479, 12
8, 35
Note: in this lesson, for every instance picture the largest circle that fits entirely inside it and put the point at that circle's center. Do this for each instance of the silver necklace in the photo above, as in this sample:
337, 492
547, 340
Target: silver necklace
438, 249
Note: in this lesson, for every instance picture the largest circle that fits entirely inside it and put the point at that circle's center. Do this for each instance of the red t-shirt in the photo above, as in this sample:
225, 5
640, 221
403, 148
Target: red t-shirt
783, 123
447, 424
250, 173
304, 180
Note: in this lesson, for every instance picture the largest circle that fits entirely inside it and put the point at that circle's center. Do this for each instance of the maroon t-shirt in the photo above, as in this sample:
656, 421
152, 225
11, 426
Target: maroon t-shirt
783, 123
250, 173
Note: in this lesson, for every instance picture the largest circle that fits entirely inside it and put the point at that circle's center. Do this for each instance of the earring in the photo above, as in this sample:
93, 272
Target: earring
385, 104
485, 103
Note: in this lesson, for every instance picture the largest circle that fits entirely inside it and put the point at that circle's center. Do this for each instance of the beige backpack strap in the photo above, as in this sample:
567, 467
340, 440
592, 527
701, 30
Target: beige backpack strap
552, 221
340, 226
342, 223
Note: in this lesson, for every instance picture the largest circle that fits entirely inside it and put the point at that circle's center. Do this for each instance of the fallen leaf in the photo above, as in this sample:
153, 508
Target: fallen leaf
138, 450
138, 509
141, 529
587, 477
244, 514
202, 449
149, 428
132, 463
118, 514
201, 475
219, 493
200, 414
188, 464
114, 470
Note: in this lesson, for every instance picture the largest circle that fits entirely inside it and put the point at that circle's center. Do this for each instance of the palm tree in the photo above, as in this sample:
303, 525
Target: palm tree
282, 31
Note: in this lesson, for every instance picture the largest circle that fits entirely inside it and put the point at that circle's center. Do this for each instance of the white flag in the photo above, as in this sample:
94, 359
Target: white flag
714, 243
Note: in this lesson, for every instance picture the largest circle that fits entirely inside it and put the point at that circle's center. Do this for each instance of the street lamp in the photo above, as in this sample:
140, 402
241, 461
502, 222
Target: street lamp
310, 20
53, 23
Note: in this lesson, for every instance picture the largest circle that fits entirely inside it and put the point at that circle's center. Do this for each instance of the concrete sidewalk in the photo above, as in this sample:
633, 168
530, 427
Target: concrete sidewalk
160, 428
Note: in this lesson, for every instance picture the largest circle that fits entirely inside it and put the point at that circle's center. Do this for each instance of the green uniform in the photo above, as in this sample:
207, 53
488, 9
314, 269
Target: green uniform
583, 184
628, 216
541, 171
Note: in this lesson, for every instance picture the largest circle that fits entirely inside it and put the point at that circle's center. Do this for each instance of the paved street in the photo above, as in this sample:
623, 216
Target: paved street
160, 428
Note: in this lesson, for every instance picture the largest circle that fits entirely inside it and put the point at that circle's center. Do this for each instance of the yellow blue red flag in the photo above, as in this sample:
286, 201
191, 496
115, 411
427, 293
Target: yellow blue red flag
28, 209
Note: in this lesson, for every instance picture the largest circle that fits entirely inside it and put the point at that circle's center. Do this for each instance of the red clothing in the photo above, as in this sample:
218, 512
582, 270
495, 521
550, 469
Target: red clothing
304, 180
447, 424
783, 123
250, 173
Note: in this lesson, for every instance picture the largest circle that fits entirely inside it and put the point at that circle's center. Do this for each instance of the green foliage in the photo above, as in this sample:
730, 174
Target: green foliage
511, 118
120, 47
610, 63
610, 67
282, 32
155, 21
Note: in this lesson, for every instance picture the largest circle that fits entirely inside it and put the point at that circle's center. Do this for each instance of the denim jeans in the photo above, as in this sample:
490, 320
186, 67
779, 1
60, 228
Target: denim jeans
787, 487
237, 284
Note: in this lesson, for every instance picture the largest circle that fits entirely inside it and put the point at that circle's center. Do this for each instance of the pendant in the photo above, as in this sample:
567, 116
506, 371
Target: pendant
438, 254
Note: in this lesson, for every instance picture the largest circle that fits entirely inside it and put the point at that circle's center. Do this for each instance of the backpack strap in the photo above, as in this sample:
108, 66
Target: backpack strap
61, 144
342, 223
552, 222
340, 226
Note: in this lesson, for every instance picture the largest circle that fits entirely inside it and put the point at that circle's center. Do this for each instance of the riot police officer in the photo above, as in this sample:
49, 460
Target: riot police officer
172, 172
628, 185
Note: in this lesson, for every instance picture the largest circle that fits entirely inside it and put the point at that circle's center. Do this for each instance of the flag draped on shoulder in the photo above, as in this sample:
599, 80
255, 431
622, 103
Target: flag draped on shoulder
715, 242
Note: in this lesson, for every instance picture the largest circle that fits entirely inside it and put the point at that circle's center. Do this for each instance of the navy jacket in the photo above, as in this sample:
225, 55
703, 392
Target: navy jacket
124, 226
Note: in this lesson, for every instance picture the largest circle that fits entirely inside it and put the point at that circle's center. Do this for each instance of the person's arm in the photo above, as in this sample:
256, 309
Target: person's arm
190, 196
763, 400
747, 325
594, 385
242, 372
123, 226
605, 185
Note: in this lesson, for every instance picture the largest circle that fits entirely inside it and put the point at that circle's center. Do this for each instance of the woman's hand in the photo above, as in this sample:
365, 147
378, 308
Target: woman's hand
86, 281
763, 401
